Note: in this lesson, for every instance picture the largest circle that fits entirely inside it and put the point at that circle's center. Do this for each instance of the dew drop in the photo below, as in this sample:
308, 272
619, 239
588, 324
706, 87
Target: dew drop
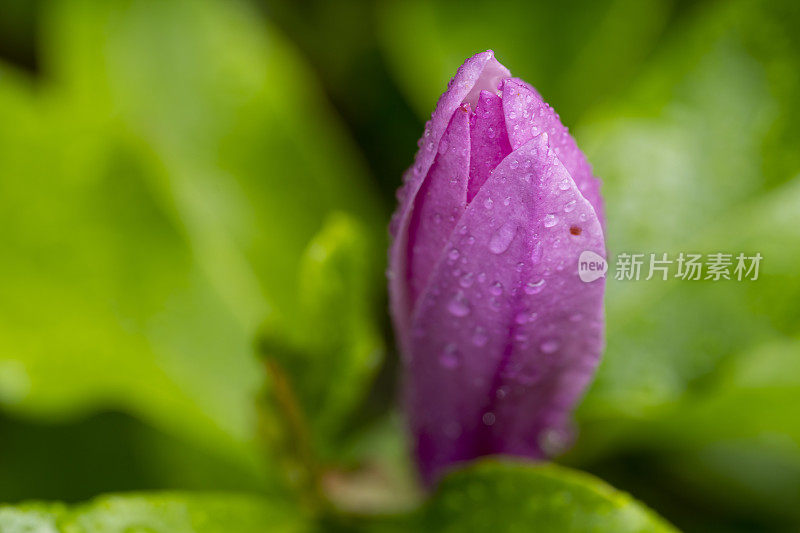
450, 358
453, 254
534, 287
550, 220
488, 418
549, 346
496, 288
507, 200
500, 241
569, 206
564, 185
466, 280
488, 203
536, 253
459, 306
552, 441
479, 337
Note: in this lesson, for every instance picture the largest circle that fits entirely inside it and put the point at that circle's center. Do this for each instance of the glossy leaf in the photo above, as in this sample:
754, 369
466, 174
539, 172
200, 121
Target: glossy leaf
156, 513
499, 495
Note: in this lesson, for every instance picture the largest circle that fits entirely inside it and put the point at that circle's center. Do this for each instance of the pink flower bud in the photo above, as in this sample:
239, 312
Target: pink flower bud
498, 333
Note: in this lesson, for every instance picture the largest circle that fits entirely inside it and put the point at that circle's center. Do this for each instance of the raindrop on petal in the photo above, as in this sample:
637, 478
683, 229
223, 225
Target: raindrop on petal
534, 287
549, 346
500, 241
450, 358
459, 306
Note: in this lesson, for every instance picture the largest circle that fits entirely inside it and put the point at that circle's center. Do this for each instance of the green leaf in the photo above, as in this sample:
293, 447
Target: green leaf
501, 495
159, 188
336, 347
684, 161
157, 513
575, 55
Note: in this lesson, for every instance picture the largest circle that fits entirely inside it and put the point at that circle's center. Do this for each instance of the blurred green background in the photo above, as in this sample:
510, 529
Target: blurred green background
187, 183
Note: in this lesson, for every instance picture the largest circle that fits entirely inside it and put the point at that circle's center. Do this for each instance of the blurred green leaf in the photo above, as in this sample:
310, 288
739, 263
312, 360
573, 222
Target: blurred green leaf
575, 53
157, 192
156, 513
696, 159
335, 347
689, 150
499, 495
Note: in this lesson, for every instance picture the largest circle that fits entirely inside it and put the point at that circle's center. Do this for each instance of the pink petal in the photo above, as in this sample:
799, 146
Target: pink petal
439, 204
528, 115
489, 141
469, 76
466, 348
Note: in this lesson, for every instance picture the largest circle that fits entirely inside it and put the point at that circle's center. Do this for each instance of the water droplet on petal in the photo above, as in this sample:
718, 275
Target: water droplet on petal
453, 254
466, 280
479, 337
488, 418
534, 287
500, 241
549, 346
496, 288
488, 203
459, 306
550, 220
569, 206
521, 318
450, 357
564, 185
552, 441
536, 253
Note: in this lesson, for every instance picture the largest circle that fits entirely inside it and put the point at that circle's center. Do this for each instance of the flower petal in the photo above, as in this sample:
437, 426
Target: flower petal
528, 115
488, 141
469, 75
557, 333
439, 204
465, 338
